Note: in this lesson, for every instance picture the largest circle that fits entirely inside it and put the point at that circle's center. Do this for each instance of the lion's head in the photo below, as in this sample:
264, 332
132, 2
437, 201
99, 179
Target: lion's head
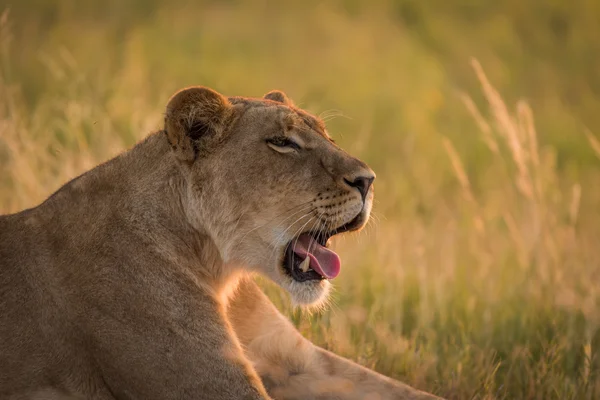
268, 184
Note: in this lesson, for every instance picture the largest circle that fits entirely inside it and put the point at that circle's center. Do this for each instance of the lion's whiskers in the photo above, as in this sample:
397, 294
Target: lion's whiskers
281, 236
299, 231
303, 207
319, 228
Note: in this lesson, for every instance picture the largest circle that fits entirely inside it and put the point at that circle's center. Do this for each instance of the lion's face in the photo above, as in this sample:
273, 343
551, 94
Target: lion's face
271, 187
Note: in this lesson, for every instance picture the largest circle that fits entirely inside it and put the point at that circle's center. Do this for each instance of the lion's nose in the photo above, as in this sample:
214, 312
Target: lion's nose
362, 183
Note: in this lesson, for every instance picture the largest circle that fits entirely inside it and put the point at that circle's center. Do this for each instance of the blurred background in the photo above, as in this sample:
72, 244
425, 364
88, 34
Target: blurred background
478, 275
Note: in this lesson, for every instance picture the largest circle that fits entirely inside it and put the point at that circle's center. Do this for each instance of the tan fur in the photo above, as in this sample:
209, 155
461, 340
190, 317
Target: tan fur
131, 281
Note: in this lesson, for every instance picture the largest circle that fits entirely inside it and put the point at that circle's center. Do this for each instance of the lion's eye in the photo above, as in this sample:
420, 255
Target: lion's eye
283, 144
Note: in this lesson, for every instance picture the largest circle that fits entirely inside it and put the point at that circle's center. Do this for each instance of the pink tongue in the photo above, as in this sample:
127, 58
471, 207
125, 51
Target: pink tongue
322, 260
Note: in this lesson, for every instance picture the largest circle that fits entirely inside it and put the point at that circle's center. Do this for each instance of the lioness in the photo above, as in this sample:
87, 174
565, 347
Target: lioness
132, 280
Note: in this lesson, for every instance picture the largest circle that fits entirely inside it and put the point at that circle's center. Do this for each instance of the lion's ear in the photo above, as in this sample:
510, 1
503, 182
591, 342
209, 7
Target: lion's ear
279, 96
193, 116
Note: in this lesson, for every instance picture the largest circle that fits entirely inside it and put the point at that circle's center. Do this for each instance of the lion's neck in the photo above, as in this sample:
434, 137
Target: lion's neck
142, 194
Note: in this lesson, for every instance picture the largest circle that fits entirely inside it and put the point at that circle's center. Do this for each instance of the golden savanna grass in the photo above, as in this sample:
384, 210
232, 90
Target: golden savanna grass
478, 275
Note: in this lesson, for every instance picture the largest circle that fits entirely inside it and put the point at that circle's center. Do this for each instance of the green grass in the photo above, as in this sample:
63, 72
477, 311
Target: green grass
478, 275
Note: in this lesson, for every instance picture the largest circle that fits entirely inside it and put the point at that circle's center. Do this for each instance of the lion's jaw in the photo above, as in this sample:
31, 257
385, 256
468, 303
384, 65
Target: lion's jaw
269, 186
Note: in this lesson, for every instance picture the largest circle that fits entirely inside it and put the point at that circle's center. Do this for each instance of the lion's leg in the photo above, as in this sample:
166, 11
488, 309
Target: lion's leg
291, 367
183, 351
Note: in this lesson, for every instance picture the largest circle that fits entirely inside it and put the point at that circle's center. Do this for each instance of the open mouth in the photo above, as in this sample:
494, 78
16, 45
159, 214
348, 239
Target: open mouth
308, 258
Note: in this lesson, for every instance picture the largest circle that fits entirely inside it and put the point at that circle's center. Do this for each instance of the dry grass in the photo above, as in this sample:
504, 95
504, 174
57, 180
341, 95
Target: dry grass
477, 278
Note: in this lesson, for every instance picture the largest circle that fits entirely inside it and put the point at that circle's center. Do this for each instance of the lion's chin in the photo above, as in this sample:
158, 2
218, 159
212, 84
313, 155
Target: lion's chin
311, 294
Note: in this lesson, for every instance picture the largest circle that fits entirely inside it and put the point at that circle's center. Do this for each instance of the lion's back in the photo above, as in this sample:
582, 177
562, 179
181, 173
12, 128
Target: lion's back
19, 308
16, 293
28, 321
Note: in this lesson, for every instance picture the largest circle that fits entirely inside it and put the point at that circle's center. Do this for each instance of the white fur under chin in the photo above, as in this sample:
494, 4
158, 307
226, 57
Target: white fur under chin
310, 294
